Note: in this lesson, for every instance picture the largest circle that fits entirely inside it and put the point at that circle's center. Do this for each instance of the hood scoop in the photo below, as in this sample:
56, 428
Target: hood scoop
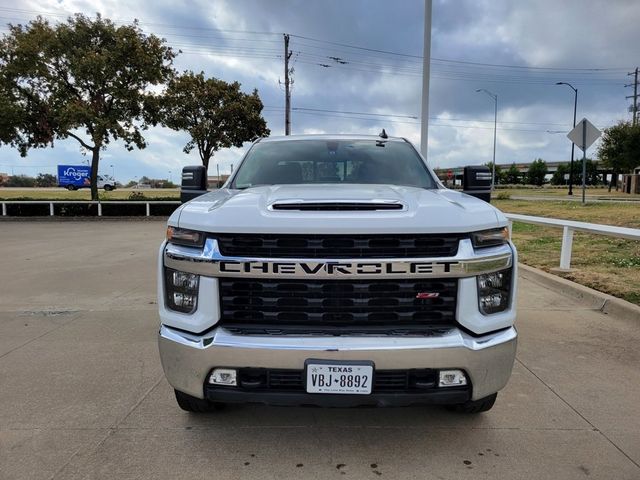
337, 206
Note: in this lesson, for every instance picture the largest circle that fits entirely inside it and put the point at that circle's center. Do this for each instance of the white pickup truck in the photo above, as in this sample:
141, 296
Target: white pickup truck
336, 271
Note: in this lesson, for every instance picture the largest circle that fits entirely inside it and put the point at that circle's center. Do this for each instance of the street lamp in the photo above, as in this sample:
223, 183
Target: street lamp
575, 106
495, 127
113, 172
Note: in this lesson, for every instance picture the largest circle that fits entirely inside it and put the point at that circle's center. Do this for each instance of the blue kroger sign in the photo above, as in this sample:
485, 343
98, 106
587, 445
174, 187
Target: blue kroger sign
77, 175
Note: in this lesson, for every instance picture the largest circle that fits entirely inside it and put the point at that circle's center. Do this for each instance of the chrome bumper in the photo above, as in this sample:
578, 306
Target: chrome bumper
187, 358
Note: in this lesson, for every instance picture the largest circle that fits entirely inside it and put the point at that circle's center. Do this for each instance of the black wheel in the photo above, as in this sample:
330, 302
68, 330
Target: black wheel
192, 404
71, 188
108, 188
475, 406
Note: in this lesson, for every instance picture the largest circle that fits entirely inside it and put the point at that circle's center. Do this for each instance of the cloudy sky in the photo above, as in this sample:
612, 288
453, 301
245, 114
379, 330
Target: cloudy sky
358, 69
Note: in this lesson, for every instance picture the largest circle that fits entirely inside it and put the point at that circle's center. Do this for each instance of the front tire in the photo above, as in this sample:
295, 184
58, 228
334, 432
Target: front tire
475, 406
108, 188
71, 188
192, 404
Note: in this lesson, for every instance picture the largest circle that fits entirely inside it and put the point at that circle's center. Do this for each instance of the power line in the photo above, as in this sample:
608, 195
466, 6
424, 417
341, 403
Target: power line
345, 45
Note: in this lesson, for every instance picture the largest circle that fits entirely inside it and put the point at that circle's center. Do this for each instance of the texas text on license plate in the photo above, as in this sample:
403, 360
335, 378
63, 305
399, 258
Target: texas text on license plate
328, 376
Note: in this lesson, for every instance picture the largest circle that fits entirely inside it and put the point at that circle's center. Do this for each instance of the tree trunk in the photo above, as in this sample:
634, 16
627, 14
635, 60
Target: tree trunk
95, 160
206, 157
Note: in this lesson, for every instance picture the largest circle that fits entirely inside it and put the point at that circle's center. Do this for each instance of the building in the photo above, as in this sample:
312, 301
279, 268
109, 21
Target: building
216, 182
631, 181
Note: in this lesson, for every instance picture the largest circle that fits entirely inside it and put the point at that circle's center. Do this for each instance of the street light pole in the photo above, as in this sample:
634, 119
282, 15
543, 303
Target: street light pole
495, 128
575, 108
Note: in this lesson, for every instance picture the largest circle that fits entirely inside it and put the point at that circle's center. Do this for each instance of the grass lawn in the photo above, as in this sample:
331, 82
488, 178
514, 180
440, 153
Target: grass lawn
607, 264
85, 194
591, 193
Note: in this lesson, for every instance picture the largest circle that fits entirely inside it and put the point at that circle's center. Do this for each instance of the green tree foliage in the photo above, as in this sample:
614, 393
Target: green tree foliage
500, 175
558, 177
593, 177
83, 79
513, 175
46, 180
215, 113
21, 181
536, 173
619, 149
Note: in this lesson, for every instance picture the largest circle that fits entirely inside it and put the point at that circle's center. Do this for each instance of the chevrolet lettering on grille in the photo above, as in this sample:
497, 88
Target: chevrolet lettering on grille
337, 269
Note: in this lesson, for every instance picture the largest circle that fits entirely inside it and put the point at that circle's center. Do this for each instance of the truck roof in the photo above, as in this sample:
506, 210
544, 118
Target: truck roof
332, 136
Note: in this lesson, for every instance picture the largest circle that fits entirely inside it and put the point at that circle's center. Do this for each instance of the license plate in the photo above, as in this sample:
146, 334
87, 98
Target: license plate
340, 377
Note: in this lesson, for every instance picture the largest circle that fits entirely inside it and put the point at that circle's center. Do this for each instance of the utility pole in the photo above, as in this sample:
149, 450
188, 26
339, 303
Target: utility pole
573, 145
495, 129
287, 90
426, 62
634, 96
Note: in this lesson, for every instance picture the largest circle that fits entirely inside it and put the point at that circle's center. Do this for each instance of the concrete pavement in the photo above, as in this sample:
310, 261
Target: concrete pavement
82, 395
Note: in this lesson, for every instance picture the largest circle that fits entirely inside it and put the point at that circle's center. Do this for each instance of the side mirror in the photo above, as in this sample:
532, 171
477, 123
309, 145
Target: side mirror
477, 182
194, 182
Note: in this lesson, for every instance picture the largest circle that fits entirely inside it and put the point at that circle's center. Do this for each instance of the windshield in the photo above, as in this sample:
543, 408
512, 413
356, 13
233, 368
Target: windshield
333, 161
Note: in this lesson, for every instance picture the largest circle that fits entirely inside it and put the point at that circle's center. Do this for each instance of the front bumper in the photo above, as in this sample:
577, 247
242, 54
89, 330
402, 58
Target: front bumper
188, 358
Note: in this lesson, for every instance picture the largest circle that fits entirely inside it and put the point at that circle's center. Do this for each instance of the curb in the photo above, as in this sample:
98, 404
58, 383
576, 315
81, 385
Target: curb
605, 303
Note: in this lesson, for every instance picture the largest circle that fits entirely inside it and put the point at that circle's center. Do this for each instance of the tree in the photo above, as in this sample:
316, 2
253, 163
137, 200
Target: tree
593, 177
537, 171
512, 176
619, 149
20, 181
215, 113
83, 79
46, 180
558, 177
500, 175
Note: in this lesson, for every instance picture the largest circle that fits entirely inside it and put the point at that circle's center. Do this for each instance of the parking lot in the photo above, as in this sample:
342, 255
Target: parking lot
82, 394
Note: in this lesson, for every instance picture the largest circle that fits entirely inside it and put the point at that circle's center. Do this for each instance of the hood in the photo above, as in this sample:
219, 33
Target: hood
414, 210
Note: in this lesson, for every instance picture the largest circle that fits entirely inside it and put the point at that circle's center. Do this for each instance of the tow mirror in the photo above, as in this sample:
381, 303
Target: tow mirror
477, 182
194, 182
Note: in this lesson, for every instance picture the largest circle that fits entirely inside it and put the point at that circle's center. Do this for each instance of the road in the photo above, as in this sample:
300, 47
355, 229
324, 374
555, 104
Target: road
82, 395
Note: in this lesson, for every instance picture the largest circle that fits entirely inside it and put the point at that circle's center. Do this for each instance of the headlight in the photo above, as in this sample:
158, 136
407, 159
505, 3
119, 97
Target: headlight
494, 291
181, 290
182, 236
490, 238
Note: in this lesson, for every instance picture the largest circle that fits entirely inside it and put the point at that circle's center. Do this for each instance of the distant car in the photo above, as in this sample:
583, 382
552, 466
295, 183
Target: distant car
105, 182
141, 186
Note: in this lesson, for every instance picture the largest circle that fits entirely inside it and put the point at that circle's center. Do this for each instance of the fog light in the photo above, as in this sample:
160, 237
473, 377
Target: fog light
452, 378
184, 302
224, 376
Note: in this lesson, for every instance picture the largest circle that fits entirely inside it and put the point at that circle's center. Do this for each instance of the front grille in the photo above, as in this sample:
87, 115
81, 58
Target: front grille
339, 246
337, 304
290, 380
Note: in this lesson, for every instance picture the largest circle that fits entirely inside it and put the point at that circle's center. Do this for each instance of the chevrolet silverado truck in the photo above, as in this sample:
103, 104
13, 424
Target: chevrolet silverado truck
336, 271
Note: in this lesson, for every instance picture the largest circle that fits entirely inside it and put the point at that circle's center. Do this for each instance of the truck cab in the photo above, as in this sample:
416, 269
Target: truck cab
336, 271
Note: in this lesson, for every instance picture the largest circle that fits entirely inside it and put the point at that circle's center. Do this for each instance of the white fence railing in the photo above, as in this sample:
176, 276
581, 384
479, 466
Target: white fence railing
51, 203
570, 226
